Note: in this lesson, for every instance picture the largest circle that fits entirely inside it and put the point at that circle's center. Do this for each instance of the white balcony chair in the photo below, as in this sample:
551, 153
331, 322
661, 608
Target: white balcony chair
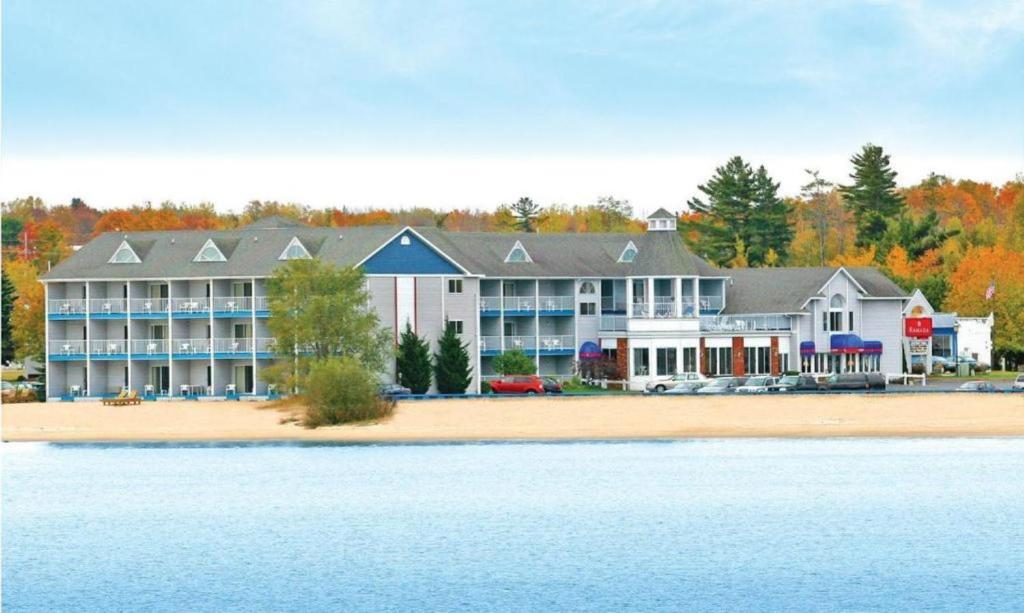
230, 304
150, 348
76, 390
234, 347
112, 348
147, 306
185, 389
184, 348
148, 390
229, 388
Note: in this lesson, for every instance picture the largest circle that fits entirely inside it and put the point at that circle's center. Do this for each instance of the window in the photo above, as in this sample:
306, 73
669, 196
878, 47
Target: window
851, 322
124, 255
666, 361
294, 251
689, 359
628, 254
587, 288
588, 308
719, 360
757, 360
454, 286
610, 354
783, 363
517, 254
510, 328
456, 325
641, 362
209, 253
405, 241
835, 321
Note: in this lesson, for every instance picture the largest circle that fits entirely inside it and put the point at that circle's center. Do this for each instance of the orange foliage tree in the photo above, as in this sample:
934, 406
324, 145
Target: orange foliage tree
970, 282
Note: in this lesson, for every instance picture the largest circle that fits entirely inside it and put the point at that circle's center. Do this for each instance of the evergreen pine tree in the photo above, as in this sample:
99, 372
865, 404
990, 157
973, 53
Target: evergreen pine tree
524, 209
9, 296
873, 197
451, 363
769, 228
413, 362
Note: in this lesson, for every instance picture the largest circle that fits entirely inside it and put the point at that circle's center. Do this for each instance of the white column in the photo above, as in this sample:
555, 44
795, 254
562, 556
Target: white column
501, 313
679, 296
88, 343
696, 296
479, 362
170, 340
252, 333
650, 296
128, 342
536, 324
213, 369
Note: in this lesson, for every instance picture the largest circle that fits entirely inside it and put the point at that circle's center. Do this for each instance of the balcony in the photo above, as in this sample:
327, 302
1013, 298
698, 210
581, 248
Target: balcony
108, 308
492, 306
112, 349
66, 308
149, 349
711, 304
744, 323
190, 308
613, 323
157, 308
62, 351
157, 349
610, 305
149, 308
547, 344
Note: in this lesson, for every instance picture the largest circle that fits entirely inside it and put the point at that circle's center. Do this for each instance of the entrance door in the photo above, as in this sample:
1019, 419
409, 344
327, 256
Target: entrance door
158, 290
241, 289
508, 288
158, 332
160, 378
243, 379
241, 331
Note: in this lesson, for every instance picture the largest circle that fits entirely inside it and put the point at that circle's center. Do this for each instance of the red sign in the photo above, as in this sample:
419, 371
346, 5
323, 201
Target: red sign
917, 327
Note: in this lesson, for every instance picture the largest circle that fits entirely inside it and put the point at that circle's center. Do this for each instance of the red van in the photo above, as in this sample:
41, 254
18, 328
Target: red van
518, 384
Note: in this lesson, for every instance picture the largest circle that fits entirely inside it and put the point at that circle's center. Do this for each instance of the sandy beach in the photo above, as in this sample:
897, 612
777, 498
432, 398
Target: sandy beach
603, 417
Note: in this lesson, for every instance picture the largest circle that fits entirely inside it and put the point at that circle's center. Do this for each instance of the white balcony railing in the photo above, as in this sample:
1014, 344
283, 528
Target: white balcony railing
190, 346
490, 343
107, 306
640, 309
556, 303
266, 345
149, 346
232, 345
108, 347
261, 303
613, 323
744, 323
149, 306
711, 303
190, 305
556, 343
490, 303
67, 347
67, 306
232, 304
520, 303
522, 343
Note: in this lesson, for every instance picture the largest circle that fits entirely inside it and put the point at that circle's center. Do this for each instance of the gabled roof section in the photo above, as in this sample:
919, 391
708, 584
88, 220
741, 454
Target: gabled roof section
124, 255
628, 253
295, 251
788, 290
848, 274
410, 253
518, 255
210, 252
661, 214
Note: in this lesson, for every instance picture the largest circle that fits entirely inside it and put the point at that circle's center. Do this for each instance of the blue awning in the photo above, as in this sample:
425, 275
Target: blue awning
873, 347
846, 343
590, 351
807, 348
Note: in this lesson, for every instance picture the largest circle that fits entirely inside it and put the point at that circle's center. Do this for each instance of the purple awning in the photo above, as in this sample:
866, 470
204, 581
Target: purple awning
590, 351
807, 348
873, 347
846, 343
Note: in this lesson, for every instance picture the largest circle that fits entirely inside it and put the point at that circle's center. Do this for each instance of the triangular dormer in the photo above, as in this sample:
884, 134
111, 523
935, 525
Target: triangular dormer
210, 253
295, 251
517, 254
124, 255
628, 254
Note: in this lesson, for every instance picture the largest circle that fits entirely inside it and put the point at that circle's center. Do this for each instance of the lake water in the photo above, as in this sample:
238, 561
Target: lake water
718, 524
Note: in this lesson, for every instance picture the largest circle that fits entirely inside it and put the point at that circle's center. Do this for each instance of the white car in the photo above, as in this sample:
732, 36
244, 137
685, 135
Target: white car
1018, 383
660, 385
758, 385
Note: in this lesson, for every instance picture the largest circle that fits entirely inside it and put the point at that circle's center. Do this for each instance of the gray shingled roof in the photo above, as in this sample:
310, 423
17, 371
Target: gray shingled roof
661, 214
785, 290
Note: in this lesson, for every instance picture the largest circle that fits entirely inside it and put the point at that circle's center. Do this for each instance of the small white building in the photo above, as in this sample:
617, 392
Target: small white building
974, 337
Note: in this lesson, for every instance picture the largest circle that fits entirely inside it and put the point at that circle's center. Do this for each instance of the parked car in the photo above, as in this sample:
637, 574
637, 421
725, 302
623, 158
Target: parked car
1018, 383
390, 390
976, 386
551, 386
855, 381
725, 385
798, 383
518, 384
688, 387
661, 385
757, 385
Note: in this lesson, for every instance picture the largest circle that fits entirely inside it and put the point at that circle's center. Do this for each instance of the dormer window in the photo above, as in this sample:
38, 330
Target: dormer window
661, 221
628, 254
295, 251
210, 253
517, 254
124, 255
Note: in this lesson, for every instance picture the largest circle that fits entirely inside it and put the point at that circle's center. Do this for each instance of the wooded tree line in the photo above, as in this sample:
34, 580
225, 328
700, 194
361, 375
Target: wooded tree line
952, 238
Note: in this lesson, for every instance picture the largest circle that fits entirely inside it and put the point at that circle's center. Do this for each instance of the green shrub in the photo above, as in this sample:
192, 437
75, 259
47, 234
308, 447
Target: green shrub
341, 390
485, 387
514, 362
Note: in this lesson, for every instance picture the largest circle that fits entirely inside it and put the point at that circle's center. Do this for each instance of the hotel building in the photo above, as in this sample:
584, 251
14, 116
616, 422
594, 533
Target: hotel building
185, 313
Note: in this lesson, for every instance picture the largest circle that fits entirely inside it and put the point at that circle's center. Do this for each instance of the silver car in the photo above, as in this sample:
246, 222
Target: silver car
661, 385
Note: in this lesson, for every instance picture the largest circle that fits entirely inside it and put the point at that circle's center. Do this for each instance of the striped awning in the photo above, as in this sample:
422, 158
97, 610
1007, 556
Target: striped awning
846, 343
873, 347
807, 348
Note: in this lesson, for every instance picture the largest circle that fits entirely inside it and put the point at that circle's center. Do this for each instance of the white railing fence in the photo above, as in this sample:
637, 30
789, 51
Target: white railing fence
490, 303
67, 306
149, 305
556, 303
149, 346
613, 323
556, 342
190, 305
744, 323
232, 345
261, 303
232, 304
266, 345
490, 343
520, 303
191, 345
67, 347
107, 306
108, 347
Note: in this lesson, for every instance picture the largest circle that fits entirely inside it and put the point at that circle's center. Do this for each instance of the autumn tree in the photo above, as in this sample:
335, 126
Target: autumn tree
1002, 268
28, 322
815, 193
872, 197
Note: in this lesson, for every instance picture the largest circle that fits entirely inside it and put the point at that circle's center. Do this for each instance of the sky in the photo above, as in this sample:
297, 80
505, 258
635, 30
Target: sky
472, 104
